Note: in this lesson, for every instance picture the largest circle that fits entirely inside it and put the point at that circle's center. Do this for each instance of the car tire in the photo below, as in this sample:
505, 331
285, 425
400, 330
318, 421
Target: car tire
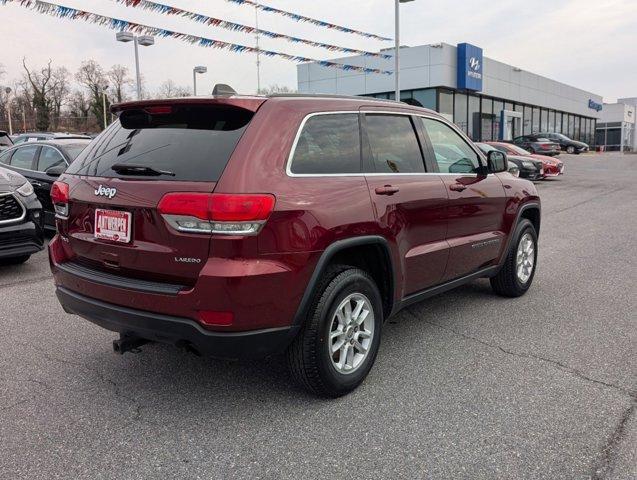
516, 274
570, 149
313, 358
15, 260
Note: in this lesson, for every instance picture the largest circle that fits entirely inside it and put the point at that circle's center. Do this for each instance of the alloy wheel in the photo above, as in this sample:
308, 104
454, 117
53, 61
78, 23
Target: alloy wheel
351, 333
525, 258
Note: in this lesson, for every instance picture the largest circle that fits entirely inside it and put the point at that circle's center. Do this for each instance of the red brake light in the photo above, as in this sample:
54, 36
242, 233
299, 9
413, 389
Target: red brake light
220, 213
159, 110
192, 204
59, 192
241, 208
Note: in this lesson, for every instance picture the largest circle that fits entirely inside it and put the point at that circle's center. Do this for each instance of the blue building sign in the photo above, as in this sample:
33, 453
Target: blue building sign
470, 67
595, 106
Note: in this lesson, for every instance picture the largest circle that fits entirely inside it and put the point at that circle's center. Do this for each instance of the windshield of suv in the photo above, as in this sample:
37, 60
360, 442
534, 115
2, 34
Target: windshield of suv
191, 142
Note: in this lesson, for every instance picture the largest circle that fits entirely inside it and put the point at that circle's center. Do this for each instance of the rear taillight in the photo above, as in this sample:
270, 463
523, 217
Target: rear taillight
545, 146
219, 213
60, 198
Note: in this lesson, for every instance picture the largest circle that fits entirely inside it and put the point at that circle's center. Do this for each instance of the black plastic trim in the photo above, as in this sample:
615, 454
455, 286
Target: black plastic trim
324, 260
118, 281
430, 292
177, 330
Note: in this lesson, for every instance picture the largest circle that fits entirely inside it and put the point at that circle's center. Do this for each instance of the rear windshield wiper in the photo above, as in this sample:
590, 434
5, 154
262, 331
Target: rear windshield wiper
127, 169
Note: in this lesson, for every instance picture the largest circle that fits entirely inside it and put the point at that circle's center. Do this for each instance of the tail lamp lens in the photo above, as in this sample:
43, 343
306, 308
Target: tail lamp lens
60, 198
219, 213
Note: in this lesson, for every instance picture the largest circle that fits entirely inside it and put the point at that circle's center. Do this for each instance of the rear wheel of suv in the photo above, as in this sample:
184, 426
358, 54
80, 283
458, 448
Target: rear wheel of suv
570, 149
337, 347
517, 272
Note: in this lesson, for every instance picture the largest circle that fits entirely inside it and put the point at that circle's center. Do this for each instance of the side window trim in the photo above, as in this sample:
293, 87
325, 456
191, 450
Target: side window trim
431, 166
299, 132
37, 160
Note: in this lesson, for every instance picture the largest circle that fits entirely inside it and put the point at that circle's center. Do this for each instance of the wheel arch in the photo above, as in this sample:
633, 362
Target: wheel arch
356, 252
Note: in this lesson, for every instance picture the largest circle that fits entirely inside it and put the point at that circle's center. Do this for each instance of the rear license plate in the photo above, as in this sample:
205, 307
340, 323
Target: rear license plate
113, 225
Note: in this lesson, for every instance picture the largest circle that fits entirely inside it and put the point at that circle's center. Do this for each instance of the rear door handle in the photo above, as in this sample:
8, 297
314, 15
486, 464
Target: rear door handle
387, 190
36, 184
457, 187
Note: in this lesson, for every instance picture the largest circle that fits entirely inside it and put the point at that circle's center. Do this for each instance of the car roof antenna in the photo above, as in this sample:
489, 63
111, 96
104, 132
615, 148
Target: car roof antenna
223, 90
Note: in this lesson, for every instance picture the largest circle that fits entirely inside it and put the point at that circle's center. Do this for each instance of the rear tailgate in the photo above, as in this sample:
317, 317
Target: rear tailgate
113, 224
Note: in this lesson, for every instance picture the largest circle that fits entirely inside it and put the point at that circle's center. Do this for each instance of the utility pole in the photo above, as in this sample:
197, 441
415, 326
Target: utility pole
8, 92
256, 24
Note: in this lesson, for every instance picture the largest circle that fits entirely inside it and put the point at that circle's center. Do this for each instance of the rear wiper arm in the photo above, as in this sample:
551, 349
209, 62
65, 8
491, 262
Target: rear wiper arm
128, 169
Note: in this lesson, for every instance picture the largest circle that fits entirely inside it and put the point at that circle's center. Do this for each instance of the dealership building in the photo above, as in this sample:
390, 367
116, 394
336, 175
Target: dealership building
487, 99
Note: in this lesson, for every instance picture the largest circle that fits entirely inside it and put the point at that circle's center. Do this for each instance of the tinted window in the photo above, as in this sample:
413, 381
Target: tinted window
4, 156
23, 157
193, 142
453, 154
49, 157
394, 146
328, 144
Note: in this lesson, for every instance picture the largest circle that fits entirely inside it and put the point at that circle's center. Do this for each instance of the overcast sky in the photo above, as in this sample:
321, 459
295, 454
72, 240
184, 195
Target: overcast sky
589, 44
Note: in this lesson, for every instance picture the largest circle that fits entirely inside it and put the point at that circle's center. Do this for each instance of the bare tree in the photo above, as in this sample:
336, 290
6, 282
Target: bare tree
40, 85
119, 79
276, 89
169, 89
91, 75
60, 92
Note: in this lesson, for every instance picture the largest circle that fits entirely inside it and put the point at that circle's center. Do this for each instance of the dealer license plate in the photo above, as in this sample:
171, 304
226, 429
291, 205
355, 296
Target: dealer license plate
113, 225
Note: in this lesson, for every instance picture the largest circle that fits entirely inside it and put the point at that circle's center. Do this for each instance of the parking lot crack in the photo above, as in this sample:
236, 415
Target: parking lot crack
604, 464
556, 363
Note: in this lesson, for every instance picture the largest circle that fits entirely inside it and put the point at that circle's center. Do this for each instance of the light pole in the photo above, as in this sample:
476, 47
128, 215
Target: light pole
104, 88
144, 41
198, 69
397, 51
8, 92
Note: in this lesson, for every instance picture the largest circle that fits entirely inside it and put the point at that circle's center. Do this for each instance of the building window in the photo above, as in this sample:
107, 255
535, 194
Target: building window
527, 120
486, 120
544, 120
474, 118
535, 128
498, 106
558, 122
445, 104
460, 112
425, 98
578, 131
551, 124
571, 126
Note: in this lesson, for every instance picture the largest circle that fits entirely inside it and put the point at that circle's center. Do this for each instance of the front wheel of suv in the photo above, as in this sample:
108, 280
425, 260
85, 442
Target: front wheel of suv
517, 272
570, 149
337, 347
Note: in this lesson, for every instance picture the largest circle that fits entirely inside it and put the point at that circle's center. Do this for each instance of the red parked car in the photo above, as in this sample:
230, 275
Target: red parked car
552, 166
248, 226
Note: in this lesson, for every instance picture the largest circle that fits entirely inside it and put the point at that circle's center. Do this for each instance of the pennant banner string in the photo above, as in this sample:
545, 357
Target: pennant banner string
61, 11
313, 21
237, 27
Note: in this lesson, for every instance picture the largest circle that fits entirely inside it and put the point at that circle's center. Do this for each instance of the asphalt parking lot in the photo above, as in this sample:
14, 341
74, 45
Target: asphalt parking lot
466, 385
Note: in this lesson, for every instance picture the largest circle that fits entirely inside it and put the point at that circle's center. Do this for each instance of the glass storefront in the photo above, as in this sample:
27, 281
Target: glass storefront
479, 116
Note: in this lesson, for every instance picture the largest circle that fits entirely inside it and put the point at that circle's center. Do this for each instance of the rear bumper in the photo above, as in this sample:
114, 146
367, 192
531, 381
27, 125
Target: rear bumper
177, 331
21, 239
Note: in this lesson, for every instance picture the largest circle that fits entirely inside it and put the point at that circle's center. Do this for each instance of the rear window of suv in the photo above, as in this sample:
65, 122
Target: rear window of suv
191, 142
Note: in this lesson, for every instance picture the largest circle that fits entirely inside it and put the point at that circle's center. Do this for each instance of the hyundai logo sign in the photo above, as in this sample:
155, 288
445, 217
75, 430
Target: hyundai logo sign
595, 106
470, 65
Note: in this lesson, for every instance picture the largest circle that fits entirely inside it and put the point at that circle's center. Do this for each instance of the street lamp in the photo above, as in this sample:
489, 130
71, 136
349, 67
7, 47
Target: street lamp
397, 52
8, 92
104, 88
198, 69
144, 41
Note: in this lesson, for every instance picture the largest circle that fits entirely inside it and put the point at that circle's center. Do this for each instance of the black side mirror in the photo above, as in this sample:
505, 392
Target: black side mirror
56, 170
497, 161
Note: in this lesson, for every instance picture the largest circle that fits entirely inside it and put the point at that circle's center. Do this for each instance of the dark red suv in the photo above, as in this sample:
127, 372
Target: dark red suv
248, 226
